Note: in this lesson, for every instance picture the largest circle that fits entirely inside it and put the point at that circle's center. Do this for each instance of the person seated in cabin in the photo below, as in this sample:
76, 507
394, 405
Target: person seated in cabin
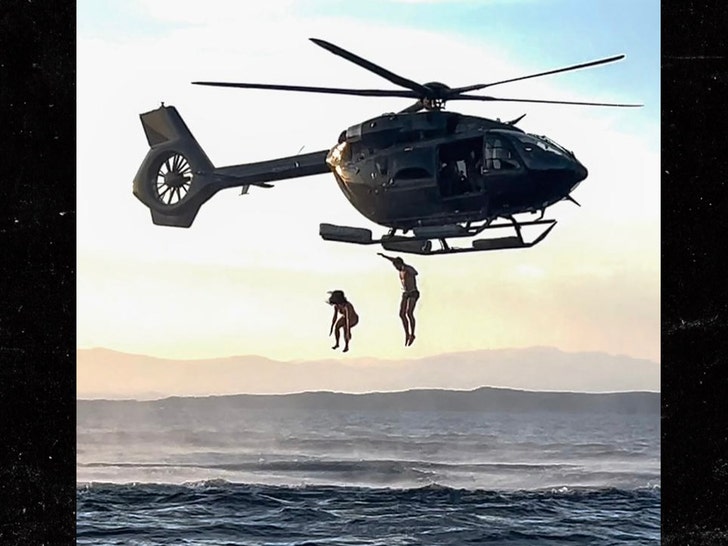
449, 178
346, 322
479, 174
463, 184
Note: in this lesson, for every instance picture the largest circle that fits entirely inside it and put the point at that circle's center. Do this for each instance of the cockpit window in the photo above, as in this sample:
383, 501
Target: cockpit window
499, 154
544, 143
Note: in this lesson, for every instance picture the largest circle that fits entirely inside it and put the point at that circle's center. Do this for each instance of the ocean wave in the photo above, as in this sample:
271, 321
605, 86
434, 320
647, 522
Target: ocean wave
317, 465
399, 473
646, 490
219, 511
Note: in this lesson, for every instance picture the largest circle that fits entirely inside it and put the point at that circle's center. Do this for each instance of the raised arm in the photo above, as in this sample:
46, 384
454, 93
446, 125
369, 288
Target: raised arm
386, 257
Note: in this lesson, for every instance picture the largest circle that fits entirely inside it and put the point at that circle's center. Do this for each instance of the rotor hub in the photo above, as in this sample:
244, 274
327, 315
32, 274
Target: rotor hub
175, 179
436, 97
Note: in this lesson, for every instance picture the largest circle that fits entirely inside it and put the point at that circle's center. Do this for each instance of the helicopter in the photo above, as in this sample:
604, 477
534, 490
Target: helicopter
427, 174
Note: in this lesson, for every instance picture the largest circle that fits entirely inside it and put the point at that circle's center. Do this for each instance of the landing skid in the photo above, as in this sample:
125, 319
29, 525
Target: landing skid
421, 240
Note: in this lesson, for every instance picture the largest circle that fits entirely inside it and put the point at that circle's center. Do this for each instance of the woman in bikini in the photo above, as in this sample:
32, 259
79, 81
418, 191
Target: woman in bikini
347, 321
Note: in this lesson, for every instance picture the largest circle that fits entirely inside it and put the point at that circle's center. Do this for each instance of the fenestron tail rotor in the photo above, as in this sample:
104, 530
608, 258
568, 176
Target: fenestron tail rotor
430, 96
174, 178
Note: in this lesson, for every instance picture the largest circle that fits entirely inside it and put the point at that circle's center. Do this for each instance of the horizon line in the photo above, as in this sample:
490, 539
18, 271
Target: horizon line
353, 357
345, 393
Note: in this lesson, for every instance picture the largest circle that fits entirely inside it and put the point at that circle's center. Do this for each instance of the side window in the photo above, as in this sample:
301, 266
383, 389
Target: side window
412, 173
459, 167
499, 155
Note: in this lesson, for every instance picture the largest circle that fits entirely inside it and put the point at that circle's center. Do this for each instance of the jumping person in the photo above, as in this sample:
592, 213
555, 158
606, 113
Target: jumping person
410, 295
348, 318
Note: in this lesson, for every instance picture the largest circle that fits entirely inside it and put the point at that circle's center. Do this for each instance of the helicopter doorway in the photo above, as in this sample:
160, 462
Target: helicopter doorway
459, 171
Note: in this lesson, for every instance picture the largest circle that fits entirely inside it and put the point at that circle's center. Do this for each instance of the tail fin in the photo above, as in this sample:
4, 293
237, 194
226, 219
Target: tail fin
171, 180
176, 177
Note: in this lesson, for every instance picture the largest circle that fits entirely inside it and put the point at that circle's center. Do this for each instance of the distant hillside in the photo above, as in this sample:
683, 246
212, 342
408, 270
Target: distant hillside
102, 373
483, 400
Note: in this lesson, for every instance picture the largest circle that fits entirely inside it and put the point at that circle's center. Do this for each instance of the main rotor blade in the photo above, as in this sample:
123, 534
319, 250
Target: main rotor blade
556, 71
413, 108
309, 89
577, 103
383, 72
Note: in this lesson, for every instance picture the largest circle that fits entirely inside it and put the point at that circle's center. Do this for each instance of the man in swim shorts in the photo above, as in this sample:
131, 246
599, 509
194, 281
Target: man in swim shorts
410, 295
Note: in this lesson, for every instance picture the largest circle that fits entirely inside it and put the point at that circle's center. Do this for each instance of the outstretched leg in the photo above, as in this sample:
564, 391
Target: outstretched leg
347, 337
337, 332
347, 333
404, 319
410, 314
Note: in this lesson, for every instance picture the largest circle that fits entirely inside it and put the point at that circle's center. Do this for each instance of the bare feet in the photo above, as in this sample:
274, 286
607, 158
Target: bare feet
345, 349
335, 346
410, 340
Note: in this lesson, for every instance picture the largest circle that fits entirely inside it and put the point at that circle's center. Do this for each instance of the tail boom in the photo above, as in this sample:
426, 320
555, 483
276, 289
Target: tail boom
176, 177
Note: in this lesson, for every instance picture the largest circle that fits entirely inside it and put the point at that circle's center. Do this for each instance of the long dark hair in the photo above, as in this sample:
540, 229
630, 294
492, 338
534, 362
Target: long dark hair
337, 297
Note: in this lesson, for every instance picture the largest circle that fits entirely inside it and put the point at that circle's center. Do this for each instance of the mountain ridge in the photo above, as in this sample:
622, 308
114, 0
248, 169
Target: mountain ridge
106, 373
483, 399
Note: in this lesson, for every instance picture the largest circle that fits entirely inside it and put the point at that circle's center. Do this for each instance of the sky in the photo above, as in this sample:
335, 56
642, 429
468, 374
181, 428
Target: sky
251, 275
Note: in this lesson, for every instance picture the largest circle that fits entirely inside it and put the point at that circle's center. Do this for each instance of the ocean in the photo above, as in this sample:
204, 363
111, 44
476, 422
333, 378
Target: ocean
436, 467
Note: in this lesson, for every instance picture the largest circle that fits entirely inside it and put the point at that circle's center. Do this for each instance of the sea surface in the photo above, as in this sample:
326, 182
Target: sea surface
271, 476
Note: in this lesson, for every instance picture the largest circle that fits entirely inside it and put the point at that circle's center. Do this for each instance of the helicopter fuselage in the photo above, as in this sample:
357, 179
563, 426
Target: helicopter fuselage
440, 175
432, 168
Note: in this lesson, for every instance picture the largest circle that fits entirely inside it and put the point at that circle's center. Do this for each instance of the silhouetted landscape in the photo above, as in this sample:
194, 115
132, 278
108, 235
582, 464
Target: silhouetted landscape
484, 399
532, 369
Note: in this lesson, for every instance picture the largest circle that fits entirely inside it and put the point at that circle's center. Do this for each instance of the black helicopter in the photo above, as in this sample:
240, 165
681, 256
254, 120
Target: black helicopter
430, 174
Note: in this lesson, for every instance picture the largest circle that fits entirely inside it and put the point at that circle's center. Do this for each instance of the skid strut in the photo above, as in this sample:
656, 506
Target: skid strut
420, 242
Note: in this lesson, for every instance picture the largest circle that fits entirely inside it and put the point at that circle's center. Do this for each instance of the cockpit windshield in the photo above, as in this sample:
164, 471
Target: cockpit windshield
545, 143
